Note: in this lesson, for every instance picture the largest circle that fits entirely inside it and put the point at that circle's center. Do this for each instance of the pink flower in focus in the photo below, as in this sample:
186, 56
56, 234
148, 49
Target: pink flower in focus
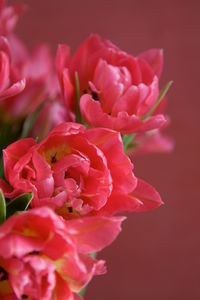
116, 89
77, 172
44, 257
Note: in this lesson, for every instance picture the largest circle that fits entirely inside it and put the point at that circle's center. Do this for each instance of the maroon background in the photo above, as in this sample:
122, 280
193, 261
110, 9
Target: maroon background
157, 254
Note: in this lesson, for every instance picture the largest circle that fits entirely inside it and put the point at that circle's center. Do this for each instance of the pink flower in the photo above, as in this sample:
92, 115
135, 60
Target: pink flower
18, 68
116, 89
37, 68
44, 257
9, 16
152, 142
52, 114
10, 85
77, 172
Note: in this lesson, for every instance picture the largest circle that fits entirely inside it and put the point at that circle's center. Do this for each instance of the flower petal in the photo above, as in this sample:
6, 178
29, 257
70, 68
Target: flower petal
94, 233
123, 122
119, 202
12, 91
149, 197
155, 59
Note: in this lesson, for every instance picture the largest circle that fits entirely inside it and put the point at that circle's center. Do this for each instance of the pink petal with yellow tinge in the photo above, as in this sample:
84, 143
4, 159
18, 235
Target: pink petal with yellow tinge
147, 194
118, 203
94, 233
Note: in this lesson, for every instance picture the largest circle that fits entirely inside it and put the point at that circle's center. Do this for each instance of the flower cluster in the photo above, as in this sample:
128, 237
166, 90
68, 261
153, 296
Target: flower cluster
69, 130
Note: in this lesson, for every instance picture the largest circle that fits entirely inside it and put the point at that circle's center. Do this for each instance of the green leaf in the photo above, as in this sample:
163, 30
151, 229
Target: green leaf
83, 290
20, 203
28, 124
160, 97
77, 87
127, 140
1, 166
2, 207
93, 254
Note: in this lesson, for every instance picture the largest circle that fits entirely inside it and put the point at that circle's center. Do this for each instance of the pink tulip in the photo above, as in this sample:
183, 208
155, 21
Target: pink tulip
76, 172
41, 85
10, 85
152, 142
44, 257
52, 114
37, 69
9, 16
116, 89
17, 65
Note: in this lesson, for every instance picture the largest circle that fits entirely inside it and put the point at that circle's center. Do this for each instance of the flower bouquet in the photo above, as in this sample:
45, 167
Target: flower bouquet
69, 131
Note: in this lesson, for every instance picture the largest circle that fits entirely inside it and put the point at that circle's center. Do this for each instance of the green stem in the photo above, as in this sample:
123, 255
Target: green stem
1, 166
28, 124
2, 207
77, 88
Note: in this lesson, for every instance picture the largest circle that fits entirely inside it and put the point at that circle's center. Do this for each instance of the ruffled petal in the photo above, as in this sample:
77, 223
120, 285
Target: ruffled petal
123, 122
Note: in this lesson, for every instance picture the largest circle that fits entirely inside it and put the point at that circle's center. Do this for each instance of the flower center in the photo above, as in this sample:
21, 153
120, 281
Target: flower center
54, 154
3, 274
95, 95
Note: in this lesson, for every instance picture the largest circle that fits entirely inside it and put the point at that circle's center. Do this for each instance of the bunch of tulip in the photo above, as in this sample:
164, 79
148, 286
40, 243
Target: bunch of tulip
66, 133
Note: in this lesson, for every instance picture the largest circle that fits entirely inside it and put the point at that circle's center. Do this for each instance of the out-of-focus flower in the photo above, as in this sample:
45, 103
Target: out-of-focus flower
10, 85
37, 69
16, 99
152, 142
52, 114
116, 89
77, 172
44, 257
9, 16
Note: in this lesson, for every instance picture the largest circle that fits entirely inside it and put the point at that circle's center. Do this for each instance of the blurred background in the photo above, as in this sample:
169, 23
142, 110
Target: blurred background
157, 254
